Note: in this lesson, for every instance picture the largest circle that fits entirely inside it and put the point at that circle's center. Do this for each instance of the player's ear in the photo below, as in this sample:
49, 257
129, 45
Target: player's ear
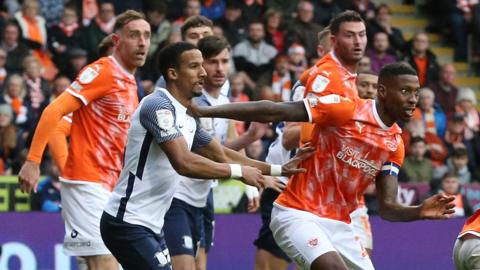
115, 38
172, 74
381, 90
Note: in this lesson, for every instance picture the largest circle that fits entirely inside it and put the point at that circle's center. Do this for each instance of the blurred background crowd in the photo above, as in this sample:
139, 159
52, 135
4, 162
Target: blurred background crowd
45, 43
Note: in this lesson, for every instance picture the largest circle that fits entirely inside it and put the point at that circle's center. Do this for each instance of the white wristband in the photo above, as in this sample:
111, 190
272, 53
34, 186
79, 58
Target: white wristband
275, 170
251, 192
235, 171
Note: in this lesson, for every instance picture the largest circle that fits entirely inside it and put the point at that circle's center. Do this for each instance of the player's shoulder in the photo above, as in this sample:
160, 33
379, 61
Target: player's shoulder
100, 71
202, 101
157, 100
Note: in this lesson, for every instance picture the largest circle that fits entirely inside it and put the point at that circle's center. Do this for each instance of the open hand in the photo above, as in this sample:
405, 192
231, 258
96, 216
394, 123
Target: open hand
291, 167
274, 183
439, 206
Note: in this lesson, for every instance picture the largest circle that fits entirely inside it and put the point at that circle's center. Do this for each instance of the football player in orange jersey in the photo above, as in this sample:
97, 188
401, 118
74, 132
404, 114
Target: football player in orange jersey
102, 98
358, 142
467, 246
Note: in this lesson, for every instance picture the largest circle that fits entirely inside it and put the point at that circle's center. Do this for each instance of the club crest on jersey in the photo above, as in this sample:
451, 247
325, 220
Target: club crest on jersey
165, 121
87, 75
320, 83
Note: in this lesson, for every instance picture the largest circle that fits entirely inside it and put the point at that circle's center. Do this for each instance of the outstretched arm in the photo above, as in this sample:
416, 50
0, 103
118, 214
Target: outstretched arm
436, 207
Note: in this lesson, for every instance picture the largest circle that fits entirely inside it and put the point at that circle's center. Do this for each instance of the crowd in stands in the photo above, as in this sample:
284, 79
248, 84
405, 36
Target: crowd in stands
44, 44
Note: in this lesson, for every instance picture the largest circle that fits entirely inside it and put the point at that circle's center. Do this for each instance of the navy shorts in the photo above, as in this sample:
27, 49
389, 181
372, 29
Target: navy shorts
182, 228
265, 238
207, 226
134, 246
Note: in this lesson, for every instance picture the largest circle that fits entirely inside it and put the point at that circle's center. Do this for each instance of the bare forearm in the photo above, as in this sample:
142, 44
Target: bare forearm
259, 111
235, 157
397, 212
199, 167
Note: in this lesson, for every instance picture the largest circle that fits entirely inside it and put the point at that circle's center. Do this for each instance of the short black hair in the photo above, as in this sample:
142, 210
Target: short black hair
170, 56
211, 46
194, 22
459, 152
416, 139
346, 16
395, 69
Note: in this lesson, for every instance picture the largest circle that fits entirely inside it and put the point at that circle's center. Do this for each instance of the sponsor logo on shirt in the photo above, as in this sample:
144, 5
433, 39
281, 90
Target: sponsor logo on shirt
351, 157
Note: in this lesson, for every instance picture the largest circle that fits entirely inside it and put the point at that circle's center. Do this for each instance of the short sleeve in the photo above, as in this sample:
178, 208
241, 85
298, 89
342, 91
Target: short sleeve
330, 110
201, 138
157, 116
395, 160
93, 82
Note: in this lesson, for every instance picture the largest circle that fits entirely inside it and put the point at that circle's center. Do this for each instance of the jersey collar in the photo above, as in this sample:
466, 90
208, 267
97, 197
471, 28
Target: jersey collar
175, 102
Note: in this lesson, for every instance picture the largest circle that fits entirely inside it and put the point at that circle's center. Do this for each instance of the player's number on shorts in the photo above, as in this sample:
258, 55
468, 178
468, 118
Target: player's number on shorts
163, 257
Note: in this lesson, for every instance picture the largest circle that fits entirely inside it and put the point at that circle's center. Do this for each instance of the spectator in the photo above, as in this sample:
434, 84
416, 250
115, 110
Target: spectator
14, 94
160, 26
16, 50
466, 104
232, 23
253, 55
379, 54
280, 79
417, 168
213, 9
303, 30
325, 10
34, 32
59, 85
364, 7
297, 61
253, 9
275, 36
423, 60
432, 115
49, 190
77, 59
455, 138
367, 85
382, 23
460, 18
98, 28
62, 37
458, 164
265, 92
444, 89
450, 186
436, 149
3, 70
52, 11
191, 8
237, 87
364, 65
8, 140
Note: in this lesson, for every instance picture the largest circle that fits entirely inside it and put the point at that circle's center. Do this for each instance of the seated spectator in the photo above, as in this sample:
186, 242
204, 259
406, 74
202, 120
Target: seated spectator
298, 62
237, 94
379, 54
14, 95
455, 138
436, 149
160, 26
445, 90
49, 191
422, 59
3, 70
367, 85
275, 36
325, 10
466, 104
99, 27
382, 23
253, 55
458, 164
77, 59
8, 140
432, 115
232, 23
38, 89
280, 79
417, 168
450, 186
364, 65
34, 32
303, 30
62, 37
16, 50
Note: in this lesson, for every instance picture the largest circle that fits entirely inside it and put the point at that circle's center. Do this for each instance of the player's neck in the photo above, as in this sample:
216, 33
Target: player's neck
383, 114
179, 95
121, 62
351, 67
212, 90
